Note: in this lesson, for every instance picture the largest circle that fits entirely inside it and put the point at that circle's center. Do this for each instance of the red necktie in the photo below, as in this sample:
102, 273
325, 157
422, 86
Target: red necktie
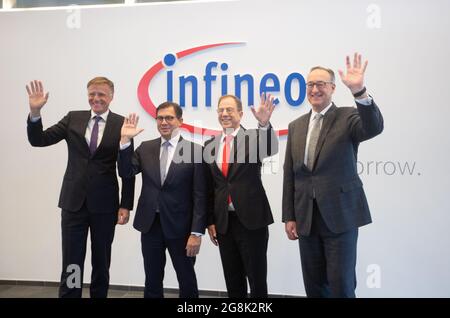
226, 157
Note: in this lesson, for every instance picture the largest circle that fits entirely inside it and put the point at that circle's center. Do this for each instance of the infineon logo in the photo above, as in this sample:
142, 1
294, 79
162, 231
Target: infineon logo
210, 79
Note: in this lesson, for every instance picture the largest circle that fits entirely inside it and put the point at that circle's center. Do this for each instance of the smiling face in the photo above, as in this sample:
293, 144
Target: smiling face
99, 96
319, 94
229, 114
167, 121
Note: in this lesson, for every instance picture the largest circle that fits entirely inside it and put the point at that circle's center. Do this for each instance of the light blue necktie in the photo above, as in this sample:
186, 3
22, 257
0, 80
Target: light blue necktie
163, 160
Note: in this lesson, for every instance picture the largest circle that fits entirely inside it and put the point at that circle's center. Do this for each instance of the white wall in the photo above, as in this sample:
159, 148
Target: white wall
407, 75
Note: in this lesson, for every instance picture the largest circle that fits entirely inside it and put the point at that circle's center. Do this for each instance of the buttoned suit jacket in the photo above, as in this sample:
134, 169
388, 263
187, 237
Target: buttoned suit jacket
90, 178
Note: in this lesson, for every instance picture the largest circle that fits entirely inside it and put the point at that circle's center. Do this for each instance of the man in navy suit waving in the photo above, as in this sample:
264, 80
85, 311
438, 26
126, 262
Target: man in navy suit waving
171, 212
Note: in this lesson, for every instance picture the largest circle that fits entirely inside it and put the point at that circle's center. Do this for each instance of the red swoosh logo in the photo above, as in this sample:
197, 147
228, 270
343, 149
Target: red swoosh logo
150, 107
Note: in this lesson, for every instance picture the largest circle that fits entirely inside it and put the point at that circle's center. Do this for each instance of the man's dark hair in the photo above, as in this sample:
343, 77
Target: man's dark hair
176, 107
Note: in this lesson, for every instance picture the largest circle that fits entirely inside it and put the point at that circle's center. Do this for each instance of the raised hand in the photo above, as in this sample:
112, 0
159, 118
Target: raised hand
354, 78
263, 112
36, 97
129, 128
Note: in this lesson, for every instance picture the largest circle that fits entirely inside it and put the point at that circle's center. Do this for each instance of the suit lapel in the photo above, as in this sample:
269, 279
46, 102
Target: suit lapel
328, 121
303, 132
238, 148
81, 127
215, 153
155, 149
177, 153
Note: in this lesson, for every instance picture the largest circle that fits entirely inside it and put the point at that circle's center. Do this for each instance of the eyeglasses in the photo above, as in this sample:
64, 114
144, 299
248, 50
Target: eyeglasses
319, 84
166, 118
228, 110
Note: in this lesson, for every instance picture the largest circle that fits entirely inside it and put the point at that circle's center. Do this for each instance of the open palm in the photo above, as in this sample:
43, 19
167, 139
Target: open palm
36, 96
129, 128
264, 111
354, 77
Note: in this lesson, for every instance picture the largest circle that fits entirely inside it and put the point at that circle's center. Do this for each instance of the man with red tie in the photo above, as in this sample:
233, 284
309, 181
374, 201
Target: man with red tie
239, 212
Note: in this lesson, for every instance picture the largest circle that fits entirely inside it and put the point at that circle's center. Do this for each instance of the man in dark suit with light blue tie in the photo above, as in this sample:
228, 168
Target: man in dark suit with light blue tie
171, 212
323, 198
89, 196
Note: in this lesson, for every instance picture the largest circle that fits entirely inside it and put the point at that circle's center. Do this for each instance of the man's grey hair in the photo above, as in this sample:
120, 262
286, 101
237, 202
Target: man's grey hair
328, 70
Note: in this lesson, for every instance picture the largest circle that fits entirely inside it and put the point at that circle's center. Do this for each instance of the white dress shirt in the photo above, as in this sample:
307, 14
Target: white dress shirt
173, 142
220, 156
222, 145
101, 127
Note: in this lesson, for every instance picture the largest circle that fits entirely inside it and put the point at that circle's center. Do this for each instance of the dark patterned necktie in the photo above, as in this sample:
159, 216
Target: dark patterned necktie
94, 135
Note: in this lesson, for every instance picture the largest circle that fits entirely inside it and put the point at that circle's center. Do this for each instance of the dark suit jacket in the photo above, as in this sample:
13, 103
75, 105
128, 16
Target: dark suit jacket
334, 177
181, 199
243, 182
88, 178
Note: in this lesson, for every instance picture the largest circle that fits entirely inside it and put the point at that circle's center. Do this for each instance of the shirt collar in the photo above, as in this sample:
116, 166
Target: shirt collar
313, 113
234, 134
103, 116
172, 141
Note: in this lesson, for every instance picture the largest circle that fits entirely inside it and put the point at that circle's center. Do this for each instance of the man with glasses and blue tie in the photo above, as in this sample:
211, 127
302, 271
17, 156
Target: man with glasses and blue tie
171, 212
89, 196
323, 199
